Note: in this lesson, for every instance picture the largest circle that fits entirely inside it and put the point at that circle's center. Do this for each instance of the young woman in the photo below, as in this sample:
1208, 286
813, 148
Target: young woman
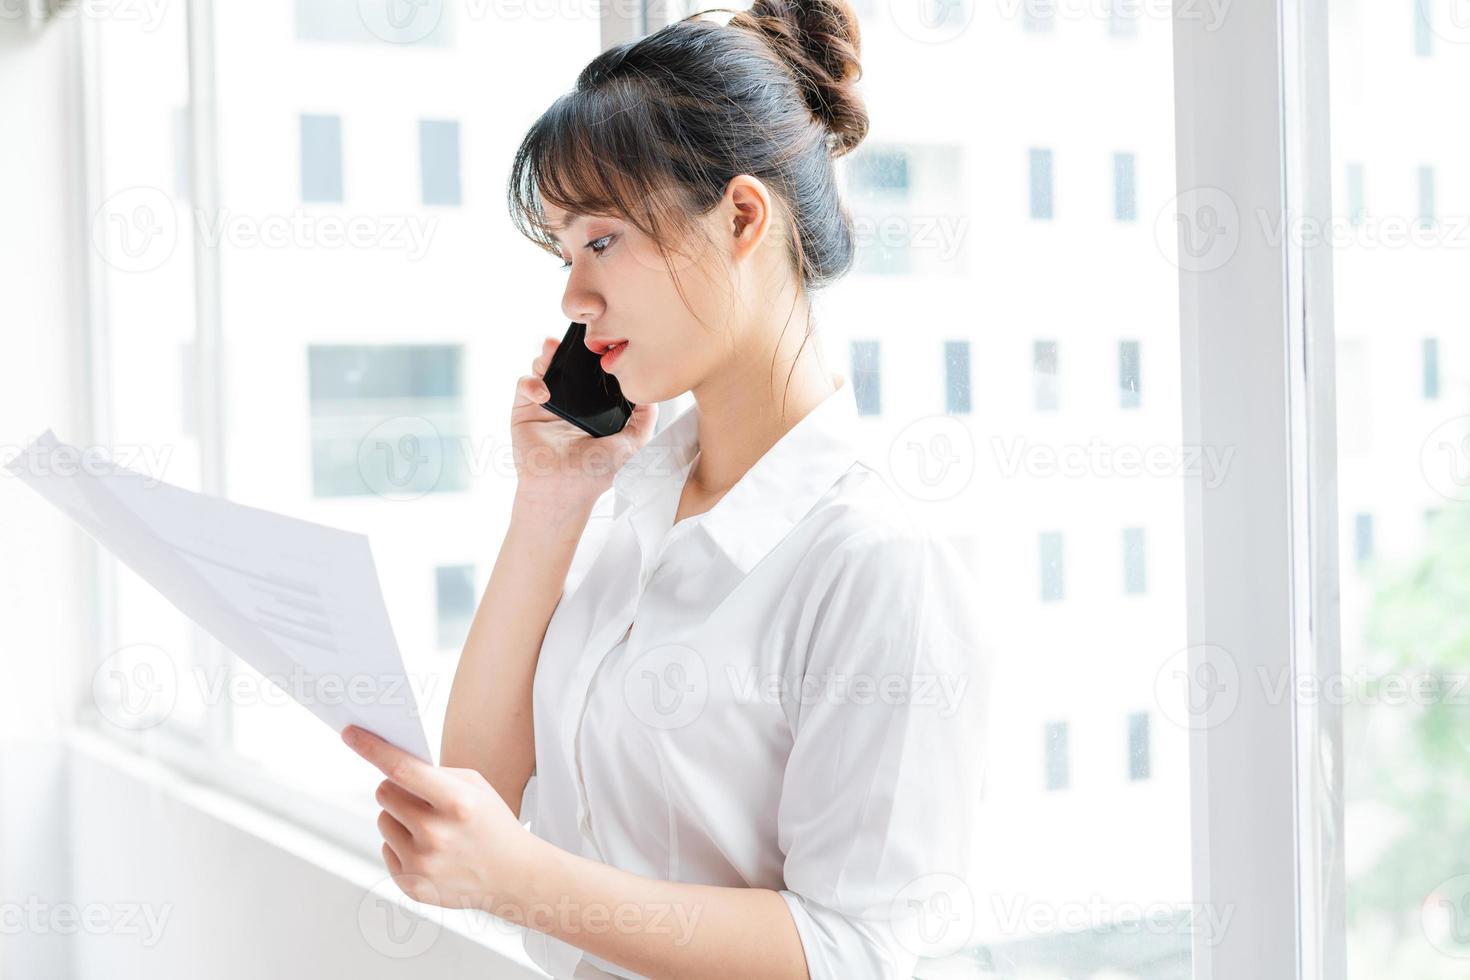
748, 740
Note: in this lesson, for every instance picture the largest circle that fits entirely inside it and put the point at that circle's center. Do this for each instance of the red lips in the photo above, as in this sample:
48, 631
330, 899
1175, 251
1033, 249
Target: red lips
600, 347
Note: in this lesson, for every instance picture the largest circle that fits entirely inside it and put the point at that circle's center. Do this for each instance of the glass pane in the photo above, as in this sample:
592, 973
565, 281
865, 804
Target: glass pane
142, 236
321, 158
1125, 205
439, 161
1399, 71
1138, 746
867, 378
1044, 374
408, 398
957, 376
455, 602
377, 307
1041, 184
1020, 264
1135, 566
425, 24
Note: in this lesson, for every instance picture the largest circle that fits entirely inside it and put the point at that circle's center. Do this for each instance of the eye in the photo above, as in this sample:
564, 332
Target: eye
598, 245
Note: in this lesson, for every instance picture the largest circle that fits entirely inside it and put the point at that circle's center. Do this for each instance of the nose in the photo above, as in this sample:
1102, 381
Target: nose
580, 303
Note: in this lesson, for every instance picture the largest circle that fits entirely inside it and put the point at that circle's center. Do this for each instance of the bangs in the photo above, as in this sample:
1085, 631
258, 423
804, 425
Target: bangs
597, 153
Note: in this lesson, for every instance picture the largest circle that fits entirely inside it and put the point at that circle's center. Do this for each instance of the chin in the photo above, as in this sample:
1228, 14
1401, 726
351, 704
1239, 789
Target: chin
640, 392
635, 392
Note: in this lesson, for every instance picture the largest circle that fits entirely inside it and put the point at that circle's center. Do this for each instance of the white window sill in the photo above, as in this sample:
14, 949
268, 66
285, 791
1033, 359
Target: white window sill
502, 939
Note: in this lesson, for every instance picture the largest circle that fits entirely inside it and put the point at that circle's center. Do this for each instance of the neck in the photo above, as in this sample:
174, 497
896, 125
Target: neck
748, 406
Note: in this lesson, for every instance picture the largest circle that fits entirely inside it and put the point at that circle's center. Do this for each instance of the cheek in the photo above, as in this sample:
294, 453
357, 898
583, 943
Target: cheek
663, 317
642, 261
662, 263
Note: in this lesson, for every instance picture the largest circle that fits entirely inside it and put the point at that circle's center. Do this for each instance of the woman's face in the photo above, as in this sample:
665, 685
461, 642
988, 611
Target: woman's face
620, 285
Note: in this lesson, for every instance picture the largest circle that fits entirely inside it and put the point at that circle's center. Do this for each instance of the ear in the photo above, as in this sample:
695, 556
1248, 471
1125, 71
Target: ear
749, 209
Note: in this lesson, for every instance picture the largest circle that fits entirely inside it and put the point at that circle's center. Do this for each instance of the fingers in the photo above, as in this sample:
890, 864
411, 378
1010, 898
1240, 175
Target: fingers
396, 836
395, 866
410, 772
406, 808
530, 388
548, 348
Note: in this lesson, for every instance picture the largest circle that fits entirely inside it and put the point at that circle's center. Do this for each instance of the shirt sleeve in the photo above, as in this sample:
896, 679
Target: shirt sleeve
880, 797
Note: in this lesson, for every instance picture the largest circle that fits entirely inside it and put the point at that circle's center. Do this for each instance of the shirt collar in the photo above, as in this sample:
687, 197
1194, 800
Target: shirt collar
767, 501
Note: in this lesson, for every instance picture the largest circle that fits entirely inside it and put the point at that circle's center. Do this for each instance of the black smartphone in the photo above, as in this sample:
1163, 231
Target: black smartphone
581, 391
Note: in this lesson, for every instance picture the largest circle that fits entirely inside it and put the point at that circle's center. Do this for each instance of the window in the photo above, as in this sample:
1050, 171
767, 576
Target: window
1044, 375
1356, 207
391, 24
1039, 16
1041, 185
181, 146
132, 157
295, 421
1135, 562
1396, 457
1125, 191
1051, 567
1423, 28
188, 423
455, 600
1128, 378
1427, 215
439, 161
1123, 18
356, 392
957, 377
1431, 368
386, 421
867, 377
1057, 761
1354, 415
1406, 807
908, 208
1363, 538
883, 170
879, 187
1138, 747
321, 159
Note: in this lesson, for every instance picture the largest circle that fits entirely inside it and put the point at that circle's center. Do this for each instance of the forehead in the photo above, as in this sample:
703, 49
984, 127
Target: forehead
558, 219
559, 222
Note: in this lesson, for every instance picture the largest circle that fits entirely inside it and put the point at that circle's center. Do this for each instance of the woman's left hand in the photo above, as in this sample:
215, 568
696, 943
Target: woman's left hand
449, 839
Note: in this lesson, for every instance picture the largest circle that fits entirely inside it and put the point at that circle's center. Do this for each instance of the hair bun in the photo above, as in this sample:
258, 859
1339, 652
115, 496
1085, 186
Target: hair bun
819, 40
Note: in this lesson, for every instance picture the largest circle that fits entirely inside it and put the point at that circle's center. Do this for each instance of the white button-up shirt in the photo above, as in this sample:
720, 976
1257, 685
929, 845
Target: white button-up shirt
784, 692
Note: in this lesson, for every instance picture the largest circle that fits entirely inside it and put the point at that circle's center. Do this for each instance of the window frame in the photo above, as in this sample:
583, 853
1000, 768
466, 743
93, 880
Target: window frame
1266, 792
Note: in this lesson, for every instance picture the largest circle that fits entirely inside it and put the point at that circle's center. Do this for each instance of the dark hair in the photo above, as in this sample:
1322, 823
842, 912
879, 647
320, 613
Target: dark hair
655, 128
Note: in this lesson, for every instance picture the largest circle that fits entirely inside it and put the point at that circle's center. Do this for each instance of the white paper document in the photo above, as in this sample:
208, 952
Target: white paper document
289, 597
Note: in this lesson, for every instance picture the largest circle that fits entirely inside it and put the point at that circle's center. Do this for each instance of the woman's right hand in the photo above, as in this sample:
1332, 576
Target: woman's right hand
554, 459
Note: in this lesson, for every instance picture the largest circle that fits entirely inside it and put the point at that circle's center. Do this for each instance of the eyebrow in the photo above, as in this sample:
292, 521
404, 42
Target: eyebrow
571, 220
